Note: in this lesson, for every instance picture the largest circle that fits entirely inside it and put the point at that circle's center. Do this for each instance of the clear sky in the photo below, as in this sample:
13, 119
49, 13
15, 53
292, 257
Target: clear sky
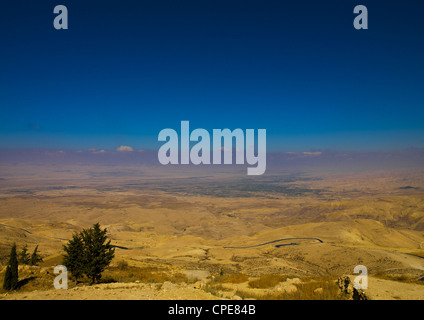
124, 70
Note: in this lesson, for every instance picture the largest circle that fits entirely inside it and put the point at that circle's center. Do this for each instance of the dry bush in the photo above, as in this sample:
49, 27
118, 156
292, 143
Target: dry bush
144, 275
267, 281
305, 291
398, 277
122, 265
232, 278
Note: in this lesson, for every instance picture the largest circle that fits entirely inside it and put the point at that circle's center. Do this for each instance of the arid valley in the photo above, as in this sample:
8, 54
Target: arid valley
195, 234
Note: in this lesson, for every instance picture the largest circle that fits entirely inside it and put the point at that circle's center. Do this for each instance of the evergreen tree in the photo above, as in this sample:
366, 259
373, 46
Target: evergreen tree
24, 256
11, 276
35, 257
98, 252
7, 283
73, 258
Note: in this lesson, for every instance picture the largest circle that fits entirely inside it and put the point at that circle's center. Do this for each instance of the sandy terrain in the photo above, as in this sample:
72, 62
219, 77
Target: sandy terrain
374, 219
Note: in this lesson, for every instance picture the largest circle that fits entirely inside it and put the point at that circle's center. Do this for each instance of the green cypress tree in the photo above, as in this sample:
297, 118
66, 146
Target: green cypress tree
7, 283
11, 276
24, 256
35, 257
73, 259
98, 252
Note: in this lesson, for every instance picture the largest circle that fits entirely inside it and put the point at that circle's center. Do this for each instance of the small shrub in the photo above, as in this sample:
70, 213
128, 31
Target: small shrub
234, 278
267, 281
108, 279
122, 265
305, 291
145, 275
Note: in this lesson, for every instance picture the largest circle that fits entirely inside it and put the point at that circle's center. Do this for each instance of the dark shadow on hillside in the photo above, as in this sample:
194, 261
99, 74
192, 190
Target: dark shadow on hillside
23, 282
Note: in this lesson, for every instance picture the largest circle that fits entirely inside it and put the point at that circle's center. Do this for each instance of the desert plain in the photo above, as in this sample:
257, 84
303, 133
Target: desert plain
196, 233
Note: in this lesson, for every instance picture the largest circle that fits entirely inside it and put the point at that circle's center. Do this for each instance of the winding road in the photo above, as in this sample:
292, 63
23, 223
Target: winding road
277, 245
246, 247
5, 225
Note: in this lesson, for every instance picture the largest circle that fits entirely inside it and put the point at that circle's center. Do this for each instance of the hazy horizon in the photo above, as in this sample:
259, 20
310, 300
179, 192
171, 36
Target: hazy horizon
121, 73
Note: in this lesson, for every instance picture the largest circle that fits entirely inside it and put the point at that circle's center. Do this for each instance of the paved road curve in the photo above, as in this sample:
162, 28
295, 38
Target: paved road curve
277, 245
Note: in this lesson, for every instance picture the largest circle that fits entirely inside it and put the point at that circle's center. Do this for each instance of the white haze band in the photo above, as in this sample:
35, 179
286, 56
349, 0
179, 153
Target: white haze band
200, 153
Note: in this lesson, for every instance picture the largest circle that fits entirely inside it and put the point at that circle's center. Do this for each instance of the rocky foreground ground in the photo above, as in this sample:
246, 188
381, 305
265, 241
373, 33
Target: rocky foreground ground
379, 289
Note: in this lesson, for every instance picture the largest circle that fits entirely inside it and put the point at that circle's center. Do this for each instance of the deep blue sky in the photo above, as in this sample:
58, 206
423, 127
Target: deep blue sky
124, 70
